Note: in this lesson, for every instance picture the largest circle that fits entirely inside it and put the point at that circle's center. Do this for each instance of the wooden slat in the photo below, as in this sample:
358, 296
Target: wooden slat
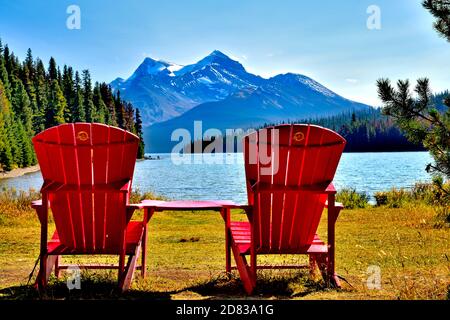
116, 155
41, 155
54, 156
309, 209
115, 220
77, 220
100, 135
64, 213
100, 208
281, 158
129, 158
251, 163
300, 137
83, 137
265, 200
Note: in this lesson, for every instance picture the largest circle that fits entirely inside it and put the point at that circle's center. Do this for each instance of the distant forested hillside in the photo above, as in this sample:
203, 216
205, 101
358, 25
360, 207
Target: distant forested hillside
365, 131
34, 97
368, 131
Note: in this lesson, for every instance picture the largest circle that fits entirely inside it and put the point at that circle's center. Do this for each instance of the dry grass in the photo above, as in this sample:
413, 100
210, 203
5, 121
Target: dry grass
186, 258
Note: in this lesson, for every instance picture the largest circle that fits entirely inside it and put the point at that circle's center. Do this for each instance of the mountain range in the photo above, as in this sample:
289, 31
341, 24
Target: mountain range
219, 91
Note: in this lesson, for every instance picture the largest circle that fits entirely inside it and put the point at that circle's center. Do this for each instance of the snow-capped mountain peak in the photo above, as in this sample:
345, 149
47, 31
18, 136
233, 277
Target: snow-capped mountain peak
156, 67
215, 60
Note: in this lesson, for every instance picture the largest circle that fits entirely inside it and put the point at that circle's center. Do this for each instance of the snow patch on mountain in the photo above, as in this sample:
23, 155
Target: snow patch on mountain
316, 86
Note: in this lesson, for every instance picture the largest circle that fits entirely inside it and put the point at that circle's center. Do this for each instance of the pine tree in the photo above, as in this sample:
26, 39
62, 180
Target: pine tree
52, 70
59, 77
119, 110
28, 81
416, 115
100, 106
14, 141
4, 77
108, 99
129, 118
6, 158
87, 97
78, 114
69, 92
26, 149
29, 62
40, 87
14, 67
139, 133
54, 114
21, 106
7, 59
440, 9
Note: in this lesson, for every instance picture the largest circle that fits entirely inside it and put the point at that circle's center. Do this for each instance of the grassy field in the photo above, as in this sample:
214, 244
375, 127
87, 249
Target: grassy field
186, 259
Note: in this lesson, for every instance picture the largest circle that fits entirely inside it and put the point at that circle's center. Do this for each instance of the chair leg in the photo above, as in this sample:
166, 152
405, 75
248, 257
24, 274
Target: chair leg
121, 265
333, 279
253, 268
312, 265
144, 253
227, 251
333, 213
47, 262
327, 270
127, 276
57, 263
41, 279
51, 262
322, 263
244, 271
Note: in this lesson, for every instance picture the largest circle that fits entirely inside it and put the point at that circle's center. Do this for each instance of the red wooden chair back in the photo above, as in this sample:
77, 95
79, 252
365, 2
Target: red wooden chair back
84, 166
287, 191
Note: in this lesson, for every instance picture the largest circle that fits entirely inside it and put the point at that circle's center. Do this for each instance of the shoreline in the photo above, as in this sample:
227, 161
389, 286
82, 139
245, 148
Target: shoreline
14, 173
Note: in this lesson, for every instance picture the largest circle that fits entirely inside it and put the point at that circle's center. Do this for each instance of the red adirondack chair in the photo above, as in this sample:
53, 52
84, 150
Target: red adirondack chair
286, 197
87, 170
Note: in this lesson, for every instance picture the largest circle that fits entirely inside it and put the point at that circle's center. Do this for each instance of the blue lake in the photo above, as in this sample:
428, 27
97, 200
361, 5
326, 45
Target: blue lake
201, 179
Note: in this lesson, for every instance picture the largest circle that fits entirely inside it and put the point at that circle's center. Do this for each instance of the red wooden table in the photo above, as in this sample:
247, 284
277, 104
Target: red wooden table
221, 206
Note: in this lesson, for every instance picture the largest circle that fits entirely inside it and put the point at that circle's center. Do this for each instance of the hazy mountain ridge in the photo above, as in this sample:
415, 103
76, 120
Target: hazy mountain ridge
286, 97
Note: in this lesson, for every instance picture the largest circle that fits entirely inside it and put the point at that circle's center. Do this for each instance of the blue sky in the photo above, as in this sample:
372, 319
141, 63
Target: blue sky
327, 40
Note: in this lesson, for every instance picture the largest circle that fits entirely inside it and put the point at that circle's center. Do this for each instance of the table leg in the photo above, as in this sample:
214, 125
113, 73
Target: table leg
227, 241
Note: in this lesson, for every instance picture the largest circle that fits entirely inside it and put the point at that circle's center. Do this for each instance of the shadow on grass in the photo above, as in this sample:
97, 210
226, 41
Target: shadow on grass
93, 287
269, 285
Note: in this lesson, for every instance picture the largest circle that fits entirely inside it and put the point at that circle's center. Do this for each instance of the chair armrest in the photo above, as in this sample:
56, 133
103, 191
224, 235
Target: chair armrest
135, 206
118, 186
261, 187
36, 204
247, 208
40, 212
331, 189
337, 205
126, 187
130, 208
